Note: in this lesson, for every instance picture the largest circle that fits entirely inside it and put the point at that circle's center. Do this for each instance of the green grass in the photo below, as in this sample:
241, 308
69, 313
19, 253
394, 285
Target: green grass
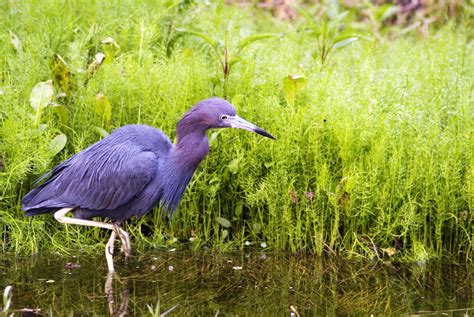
382, 134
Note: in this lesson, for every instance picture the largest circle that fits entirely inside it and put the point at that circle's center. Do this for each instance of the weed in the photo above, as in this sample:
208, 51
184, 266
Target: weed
377, 154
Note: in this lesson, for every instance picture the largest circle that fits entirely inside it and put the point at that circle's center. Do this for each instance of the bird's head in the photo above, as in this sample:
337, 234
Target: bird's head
219, 113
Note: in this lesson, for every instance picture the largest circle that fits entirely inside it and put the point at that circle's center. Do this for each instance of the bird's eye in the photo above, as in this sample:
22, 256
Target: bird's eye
224, 117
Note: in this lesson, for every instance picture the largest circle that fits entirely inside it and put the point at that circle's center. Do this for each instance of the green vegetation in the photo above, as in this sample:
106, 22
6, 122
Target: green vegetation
374, 151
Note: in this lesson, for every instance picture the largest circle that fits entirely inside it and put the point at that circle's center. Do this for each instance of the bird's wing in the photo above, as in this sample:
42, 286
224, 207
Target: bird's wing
110, 181
104, 176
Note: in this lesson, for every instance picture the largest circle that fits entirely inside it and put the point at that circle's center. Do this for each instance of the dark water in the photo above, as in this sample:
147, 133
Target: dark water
237, 284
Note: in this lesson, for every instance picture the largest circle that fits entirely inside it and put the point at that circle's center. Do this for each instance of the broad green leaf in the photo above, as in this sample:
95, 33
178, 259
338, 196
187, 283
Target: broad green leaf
225, 234
214, 43
61, 112
292, 84
61, 72
103, 108
15, 41
234, 166
253, 38
239, 207
111, 49
341, 43
224, 222
41, 95
58, 143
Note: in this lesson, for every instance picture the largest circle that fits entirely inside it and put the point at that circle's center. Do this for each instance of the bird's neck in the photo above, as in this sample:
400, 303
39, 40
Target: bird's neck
191, 147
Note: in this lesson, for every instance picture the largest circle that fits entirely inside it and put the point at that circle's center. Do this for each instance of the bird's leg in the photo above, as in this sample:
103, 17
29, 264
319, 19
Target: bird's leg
109, 251
126, 249
60, 216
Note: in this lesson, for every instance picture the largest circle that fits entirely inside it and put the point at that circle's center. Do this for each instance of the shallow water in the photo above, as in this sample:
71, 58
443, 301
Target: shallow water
243, 284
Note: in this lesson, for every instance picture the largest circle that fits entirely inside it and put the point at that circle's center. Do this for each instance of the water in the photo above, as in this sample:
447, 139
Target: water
237, 284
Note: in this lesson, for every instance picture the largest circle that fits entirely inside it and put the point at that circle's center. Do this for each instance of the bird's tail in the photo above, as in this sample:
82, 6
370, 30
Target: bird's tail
41, 199
39, 211
34, 204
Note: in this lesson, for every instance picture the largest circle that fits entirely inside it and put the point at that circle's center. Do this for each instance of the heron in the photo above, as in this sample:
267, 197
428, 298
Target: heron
130, 172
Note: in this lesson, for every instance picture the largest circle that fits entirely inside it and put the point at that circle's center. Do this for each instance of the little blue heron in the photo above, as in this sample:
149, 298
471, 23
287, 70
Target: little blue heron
131, 171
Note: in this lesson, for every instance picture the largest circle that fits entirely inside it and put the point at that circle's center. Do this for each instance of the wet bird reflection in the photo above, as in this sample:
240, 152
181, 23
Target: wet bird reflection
117, 308
119, 299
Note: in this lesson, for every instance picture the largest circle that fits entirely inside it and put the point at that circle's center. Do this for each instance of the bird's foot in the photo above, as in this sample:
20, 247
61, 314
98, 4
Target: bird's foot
125, 249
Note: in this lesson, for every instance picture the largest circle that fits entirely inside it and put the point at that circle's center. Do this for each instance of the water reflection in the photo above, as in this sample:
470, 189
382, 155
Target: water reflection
120, 307
186, 283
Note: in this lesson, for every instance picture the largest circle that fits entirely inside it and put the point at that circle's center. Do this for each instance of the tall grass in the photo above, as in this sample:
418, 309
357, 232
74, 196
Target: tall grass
376, 153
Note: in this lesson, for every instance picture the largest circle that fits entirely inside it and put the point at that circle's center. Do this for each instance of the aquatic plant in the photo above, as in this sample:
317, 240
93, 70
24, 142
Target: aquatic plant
373, 157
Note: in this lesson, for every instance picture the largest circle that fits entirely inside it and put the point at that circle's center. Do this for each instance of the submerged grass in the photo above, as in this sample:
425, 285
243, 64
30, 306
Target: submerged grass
374, 157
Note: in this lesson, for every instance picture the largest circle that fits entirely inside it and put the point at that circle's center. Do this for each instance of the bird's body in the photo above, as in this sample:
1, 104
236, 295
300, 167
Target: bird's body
134, 169
117, 177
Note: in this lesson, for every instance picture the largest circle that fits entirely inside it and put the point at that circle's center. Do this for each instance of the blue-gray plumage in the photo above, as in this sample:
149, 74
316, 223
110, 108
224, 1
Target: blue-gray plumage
135, 168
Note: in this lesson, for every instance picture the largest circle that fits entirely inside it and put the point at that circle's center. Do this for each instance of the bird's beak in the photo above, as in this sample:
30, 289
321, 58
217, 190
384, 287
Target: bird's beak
239, 123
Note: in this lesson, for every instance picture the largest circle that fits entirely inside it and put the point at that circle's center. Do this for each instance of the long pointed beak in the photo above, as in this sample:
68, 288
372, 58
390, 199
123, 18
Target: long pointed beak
238, 122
